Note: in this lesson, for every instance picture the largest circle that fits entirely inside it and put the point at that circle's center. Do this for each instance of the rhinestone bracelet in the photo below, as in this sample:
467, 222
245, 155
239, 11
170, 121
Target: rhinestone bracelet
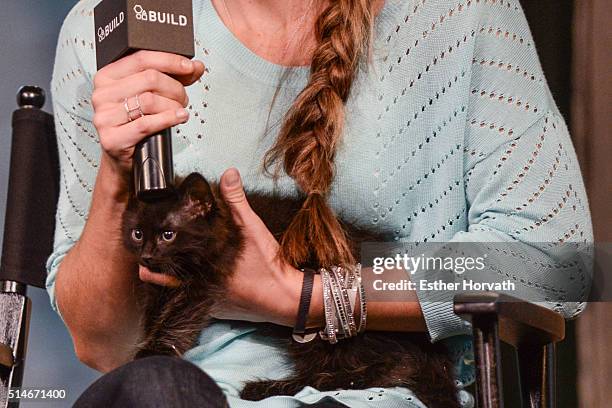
329, 333
362, 300
342, 291
342, 311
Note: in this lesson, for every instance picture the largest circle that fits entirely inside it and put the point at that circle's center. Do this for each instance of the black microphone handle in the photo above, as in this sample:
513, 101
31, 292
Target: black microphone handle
153, 169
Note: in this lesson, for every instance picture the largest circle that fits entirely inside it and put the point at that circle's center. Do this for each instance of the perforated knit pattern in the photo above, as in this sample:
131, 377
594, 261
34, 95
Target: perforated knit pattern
451, 135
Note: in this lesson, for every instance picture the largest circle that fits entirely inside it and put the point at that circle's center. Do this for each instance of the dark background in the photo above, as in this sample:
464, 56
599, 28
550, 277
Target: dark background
28, 32
551, 25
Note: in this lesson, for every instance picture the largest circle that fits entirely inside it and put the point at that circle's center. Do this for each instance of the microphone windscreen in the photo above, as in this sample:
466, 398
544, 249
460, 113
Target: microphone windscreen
126, 26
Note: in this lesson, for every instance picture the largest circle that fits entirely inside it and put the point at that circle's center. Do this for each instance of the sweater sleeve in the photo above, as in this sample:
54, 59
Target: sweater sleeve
77, 140
522, 181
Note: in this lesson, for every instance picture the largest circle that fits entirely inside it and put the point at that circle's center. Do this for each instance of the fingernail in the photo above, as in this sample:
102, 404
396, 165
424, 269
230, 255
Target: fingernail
232, 178
182, 114
187, 64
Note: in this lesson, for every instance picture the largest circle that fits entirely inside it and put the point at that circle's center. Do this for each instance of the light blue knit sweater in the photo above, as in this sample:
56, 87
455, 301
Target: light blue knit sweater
451, 135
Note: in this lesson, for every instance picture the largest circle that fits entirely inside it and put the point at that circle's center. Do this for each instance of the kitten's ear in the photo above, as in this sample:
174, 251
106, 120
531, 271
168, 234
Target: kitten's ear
196, 194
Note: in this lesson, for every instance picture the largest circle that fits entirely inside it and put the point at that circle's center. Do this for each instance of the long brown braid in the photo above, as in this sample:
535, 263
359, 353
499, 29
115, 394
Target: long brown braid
313, 128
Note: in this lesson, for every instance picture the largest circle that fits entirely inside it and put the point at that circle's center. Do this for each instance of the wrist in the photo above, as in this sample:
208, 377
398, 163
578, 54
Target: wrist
287, 306
112, 182
316, 313
292, 281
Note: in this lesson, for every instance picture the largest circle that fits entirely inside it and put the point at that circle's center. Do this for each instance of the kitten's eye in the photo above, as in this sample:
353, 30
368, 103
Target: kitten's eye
169, 236
137, 234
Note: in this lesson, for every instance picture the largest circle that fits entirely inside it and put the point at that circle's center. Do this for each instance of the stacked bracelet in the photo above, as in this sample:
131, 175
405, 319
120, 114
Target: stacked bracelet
343, 297
342, 291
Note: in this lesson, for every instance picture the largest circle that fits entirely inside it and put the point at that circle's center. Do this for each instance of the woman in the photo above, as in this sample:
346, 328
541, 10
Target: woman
426, 120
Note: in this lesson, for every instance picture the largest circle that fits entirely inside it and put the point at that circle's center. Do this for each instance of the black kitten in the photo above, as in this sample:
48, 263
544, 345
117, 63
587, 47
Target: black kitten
192, 236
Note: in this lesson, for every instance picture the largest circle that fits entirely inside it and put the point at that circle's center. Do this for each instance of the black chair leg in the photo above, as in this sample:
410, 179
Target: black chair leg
537, 373
488, 366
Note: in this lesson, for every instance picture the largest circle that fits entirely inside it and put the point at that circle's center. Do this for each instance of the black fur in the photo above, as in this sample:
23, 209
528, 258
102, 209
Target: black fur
202, 254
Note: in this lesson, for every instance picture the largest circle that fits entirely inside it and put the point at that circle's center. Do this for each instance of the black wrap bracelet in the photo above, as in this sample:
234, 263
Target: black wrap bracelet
299, 331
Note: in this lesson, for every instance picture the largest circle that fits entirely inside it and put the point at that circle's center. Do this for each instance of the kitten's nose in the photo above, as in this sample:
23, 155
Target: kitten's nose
146, 260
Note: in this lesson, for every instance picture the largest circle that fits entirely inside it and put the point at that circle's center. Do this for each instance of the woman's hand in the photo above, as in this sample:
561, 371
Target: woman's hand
154, 81
158, 79
263, 288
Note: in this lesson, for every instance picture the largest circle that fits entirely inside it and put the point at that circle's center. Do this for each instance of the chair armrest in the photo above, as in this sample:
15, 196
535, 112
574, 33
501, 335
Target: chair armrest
521, 323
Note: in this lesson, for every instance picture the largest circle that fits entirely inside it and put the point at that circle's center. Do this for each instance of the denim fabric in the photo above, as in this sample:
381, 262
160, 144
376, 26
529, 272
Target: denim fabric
154, 382
161, 382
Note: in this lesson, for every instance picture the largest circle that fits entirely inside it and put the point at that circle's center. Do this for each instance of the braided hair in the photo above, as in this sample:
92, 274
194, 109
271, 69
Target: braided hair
312, 129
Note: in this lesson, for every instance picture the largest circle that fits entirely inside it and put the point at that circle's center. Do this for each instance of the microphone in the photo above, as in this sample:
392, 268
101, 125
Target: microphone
123, 27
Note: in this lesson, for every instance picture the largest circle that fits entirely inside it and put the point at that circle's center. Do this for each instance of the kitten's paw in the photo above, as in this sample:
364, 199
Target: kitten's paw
258, 390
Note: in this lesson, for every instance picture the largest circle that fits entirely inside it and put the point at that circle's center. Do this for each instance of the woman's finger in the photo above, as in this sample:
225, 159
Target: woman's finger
123, 138
141, 61
233, 193
117, 115
139, 83
189, 79
157, 278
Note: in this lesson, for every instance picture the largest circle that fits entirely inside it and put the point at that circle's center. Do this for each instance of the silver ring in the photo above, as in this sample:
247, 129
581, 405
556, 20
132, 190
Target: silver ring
129, 110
